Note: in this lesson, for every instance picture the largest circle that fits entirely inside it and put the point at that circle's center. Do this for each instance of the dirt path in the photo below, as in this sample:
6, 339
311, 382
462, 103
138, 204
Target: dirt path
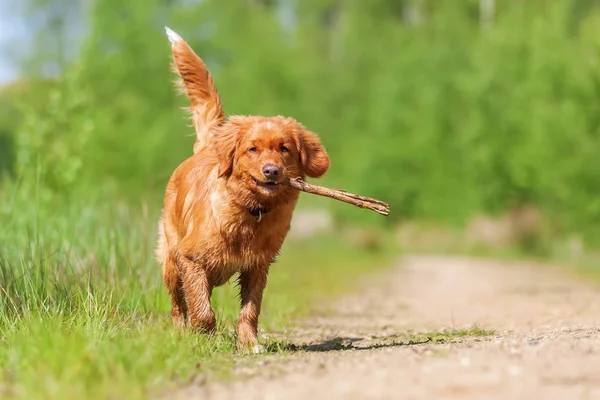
545, 344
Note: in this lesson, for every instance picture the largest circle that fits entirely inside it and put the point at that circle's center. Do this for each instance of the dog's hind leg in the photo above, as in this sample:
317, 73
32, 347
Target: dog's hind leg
174, 283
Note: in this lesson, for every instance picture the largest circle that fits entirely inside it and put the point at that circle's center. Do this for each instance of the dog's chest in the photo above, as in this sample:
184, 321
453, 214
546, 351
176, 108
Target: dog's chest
241, 240
252, 243
241, 248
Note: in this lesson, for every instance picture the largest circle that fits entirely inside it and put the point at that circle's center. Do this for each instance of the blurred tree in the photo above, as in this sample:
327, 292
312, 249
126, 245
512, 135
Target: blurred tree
416, 103
53, 28
6, 154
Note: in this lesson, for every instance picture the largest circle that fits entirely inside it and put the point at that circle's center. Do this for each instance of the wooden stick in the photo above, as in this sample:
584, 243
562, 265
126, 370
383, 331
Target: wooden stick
368, 203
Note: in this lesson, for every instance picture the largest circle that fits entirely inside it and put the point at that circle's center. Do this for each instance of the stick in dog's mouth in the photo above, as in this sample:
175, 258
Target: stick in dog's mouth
263, 184
368, 203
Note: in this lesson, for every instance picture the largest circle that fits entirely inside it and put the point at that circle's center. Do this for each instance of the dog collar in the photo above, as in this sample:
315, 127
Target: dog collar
258, 213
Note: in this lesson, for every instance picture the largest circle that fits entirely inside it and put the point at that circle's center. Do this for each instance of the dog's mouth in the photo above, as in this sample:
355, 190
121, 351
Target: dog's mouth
268, 185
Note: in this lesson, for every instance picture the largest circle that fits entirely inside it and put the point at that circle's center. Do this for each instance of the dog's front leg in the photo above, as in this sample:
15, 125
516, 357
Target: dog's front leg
252, 285
197, 290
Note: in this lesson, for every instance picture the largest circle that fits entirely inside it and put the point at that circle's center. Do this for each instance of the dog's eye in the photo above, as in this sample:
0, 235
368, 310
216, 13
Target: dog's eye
283, 148
252, 149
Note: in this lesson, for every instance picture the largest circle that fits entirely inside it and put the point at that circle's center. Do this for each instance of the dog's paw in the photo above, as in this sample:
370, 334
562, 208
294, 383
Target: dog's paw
249, 349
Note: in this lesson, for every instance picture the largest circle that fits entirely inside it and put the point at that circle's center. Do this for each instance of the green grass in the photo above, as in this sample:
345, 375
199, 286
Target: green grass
434, 337
83, 312
451, 334
393, 340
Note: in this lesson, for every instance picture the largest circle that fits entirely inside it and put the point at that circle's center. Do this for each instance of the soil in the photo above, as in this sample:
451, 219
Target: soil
436, 327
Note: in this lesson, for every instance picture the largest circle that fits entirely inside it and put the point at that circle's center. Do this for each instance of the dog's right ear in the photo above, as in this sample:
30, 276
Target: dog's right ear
197, 83
225, 144
225, 140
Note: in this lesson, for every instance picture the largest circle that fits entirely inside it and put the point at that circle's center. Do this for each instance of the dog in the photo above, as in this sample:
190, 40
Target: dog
226, 208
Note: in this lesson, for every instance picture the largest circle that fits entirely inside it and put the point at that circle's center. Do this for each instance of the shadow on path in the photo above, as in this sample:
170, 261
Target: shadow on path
346, 343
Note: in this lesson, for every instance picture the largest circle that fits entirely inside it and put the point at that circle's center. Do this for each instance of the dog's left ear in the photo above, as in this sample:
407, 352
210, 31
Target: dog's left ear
313, 156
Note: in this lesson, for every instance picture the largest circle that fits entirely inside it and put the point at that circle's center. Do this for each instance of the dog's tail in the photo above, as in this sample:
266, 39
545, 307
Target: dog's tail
196, 82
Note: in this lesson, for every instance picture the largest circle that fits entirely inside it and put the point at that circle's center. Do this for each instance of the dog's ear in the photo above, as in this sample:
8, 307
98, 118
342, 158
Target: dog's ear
313, 156
225, 140
226, 156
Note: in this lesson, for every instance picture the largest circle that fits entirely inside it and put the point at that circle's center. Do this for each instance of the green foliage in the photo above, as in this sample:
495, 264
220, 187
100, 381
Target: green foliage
50, 138
418, 104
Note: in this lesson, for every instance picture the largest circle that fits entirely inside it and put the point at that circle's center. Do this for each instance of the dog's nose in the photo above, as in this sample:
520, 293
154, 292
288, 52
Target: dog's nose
271, 171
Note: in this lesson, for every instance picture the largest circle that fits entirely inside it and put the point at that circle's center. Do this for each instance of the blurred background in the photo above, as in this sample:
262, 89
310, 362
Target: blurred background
478, 121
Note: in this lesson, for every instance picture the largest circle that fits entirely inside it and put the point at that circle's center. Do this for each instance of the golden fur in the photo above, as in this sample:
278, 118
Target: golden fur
222, 214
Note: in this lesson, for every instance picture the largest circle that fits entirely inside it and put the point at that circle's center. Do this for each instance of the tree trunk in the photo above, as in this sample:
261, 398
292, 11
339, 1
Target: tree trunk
486, 13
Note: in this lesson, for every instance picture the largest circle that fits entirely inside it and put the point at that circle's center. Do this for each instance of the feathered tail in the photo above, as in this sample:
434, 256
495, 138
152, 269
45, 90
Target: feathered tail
197, 83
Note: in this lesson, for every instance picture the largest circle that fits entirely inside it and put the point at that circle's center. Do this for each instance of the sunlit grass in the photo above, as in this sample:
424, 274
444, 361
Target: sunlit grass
83, 312
450, 334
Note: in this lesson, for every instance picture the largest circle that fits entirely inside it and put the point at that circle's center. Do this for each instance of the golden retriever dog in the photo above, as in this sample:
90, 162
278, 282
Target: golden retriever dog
226, 209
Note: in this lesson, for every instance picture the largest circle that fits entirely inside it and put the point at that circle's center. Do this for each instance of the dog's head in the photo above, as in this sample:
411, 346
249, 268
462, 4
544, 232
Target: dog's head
260, 152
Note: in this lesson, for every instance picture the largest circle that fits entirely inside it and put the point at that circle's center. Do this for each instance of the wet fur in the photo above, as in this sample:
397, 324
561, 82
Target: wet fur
207, 232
